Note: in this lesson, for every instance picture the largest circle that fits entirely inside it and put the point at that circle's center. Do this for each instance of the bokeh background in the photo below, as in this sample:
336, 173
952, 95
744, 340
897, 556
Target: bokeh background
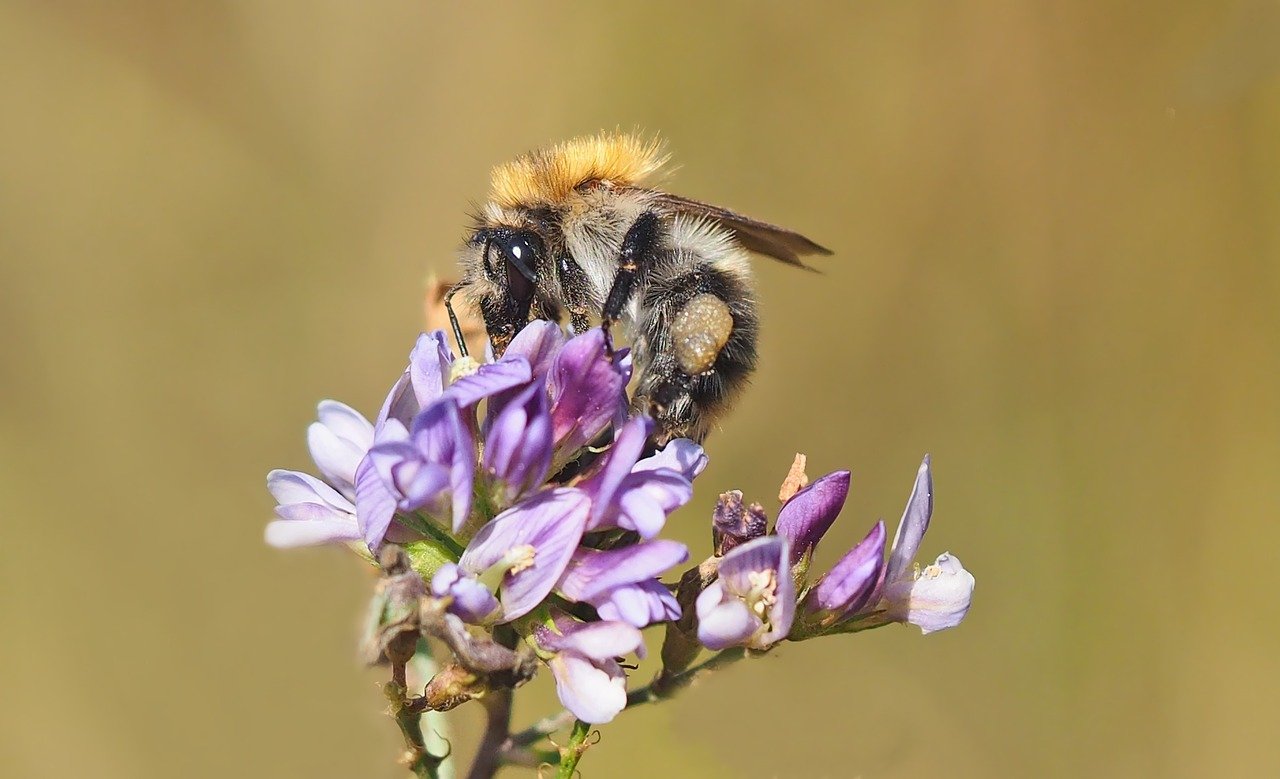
1056, 229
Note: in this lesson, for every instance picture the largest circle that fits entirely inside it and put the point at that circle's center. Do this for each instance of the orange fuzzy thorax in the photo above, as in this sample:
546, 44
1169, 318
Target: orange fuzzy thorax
550, 175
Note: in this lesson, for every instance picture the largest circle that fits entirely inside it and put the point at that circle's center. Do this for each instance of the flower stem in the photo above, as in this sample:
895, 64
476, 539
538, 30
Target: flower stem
407, 716
490, 756
571, 753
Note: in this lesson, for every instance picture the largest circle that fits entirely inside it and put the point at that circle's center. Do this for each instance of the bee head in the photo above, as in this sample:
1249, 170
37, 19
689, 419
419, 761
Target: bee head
514, 255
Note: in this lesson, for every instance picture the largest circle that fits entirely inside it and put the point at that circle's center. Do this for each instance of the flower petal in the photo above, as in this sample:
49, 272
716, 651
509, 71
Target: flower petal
517, 451
809, 513
375, 505
639, 604
914, 523
592, 694
538, 343
284, 533
289, 487
552, 524
490, 379
723, 619
587, 390
762, 554
680, 455
936, 599
592, 572
849, 584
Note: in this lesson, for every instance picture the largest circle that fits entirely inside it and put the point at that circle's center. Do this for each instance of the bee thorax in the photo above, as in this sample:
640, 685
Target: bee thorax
699, 332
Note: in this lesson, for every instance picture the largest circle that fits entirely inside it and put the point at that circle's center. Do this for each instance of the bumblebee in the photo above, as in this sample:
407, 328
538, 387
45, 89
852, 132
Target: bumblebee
572, 231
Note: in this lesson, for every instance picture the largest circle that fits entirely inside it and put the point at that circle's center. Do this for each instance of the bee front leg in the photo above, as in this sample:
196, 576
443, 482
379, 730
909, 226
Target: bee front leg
638, 248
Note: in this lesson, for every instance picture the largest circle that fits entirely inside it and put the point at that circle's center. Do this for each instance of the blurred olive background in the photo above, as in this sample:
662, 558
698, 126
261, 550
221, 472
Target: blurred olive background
1056, 233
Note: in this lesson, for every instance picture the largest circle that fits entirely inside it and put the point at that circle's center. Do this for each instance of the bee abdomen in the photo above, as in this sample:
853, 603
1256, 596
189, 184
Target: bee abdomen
697, 345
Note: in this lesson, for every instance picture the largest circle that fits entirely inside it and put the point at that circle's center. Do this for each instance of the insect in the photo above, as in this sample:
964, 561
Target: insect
572, 230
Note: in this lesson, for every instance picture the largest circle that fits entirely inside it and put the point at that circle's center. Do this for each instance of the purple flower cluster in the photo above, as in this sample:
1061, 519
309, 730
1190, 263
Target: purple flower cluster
764, 594
434, 470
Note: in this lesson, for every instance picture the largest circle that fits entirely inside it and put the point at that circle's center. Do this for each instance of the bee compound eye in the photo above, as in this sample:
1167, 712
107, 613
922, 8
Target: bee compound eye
521, 251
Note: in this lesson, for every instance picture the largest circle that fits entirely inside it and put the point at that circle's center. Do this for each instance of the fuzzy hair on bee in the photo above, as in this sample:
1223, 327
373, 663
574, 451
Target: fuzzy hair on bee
574, 232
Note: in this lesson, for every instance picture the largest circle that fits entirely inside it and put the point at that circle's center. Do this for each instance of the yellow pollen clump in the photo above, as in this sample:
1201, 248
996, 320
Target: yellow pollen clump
521, 558
462, 368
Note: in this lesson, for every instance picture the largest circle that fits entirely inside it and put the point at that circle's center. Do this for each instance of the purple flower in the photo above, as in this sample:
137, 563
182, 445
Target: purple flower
310, 511
588, 391
517, 451
524, 550
753, 601
621, 583
589, 681
430, 467
638, 495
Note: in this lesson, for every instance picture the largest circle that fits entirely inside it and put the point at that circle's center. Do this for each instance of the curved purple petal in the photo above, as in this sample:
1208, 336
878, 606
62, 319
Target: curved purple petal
604, 484
490, 379
472, 601
375, 505
592, 572
517, 452
422, 383
550, 524
914, 523
538, 343
443, 440
810, 512
849, 584
429, 367
587, 390
639, 604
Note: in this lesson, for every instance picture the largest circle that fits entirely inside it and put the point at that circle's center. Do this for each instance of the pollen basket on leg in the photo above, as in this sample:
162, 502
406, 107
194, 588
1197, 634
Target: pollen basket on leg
699, 332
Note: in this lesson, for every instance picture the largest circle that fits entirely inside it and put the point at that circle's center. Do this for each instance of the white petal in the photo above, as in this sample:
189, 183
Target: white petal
604, 640
593, 695
284, 533
936, 599
294, 487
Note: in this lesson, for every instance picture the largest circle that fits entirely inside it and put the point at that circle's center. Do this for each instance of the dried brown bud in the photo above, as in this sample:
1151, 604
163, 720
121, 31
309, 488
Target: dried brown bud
451, 687
733, 524
796, 479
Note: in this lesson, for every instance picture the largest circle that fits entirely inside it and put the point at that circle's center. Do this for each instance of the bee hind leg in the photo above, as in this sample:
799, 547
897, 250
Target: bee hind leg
699, 340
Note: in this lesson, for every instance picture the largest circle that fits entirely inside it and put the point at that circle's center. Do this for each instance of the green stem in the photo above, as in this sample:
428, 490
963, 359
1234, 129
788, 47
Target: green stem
571, 753
428, 528
408, 717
